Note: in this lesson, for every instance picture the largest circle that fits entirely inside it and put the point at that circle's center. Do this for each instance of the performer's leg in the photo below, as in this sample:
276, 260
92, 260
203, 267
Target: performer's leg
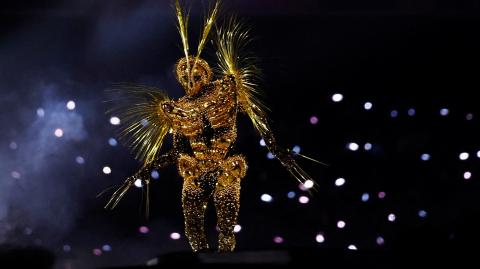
195, 196
227, 201
194, 202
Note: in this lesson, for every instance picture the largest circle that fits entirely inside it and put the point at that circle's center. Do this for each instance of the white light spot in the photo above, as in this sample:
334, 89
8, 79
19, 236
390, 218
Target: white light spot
320, 238
262, 143
138, 183
340, 182
41, 112
303, 200
411, 112
365, 197
70, 105
368, 106
267, 198
341, 224
291, 195
106, 248
392, 217
444, 112
175, 236
270, 156
237, 228
115, 120
467, 175
464, 156
425, 157
352, 247
368, 146
422, 214
112, 142
338, 97
308, 184
469, 116
80, 160
58, 132
353, 146
380, 241
296, 150
107, 170
478, 154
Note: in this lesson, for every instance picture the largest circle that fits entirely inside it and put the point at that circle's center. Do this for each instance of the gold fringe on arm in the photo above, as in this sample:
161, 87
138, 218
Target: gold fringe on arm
233, 60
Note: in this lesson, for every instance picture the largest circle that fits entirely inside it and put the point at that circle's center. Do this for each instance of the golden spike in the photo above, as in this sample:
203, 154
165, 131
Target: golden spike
207, 26
183, 30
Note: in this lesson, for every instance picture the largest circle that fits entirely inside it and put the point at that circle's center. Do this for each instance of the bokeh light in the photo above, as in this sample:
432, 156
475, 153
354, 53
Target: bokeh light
303, 200
340, 182
70, 105
115, 120
464, 156
267, 198
144, 230
425, 157
368, 106
353, 146
337, 97
58, 132
175, 236
138, 183
112, 142
107, 170
320, 238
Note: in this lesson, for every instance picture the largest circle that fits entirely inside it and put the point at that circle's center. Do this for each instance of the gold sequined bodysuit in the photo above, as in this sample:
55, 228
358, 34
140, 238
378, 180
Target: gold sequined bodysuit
208, 121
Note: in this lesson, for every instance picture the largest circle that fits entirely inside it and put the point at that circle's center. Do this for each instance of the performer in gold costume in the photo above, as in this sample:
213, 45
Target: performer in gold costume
203, 125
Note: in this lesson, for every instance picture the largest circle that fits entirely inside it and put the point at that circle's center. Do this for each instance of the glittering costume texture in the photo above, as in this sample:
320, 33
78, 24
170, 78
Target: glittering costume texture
203, 125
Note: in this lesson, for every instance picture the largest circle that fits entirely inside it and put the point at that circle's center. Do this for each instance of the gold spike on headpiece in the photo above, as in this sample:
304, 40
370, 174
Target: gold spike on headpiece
207, 26
182, 27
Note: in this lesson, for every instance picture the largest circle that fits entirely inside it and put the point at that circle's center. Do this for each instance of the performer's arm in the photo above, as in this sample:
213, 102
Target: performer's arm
144, 174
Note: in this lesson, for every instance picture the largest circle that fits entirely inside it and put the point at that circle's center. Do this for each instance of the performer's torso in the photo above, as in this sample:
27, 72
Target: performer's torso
208, 120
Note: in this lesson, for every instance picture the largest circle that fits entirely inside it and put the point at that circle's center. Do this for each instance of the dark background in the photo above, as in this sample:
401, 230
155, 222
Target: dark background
399, 55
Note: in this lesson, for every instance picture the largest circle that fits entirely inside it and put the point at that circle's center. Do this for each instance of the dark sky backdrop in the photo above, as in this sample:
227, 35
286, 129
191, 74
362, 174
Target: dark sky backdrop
396, 54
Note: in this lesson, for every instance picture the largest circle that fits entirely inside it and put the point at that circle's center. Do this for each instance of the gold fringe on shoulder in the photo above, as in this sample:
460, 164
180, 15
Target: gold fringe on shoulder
143, 126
